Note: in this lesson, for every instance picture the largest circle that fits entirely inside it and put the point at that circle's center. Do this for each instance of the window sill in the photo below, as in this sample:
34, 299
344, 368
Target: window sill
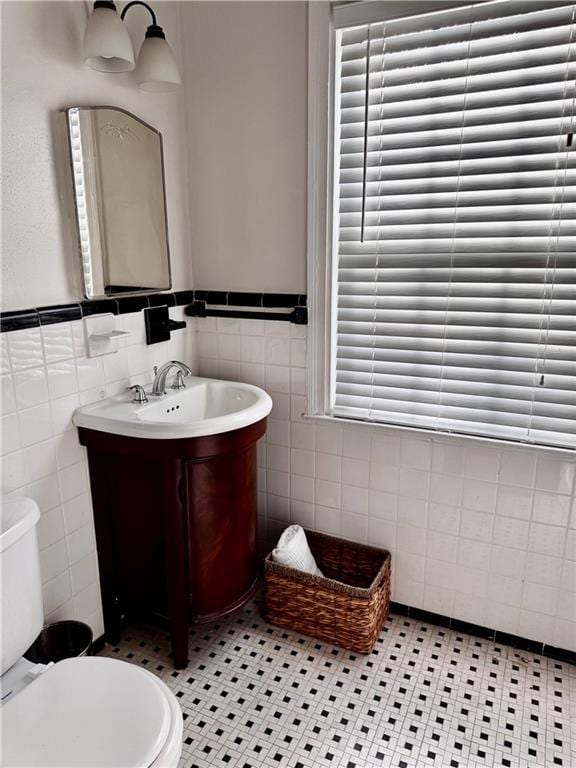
433, 435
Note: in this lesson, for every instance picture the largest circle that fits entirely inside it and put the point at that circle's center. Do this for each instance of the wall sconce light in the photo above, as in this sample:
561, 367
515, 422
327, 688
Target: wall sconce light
108, 48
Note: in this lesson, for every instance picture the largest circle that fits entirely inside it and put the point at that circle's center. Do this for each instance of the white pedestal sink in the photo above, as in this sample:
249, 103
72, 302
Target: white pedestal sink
203, 407
174, 492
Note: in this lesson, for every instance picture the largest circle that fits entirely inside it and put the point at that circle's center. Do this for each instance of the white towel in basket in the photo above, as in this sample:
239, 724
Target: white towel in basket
293, 550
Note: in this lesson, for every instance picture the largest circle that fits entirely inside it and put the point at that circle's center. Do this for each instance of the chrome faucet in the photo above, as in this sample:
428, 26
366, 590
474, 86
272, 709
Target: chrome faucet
160, 374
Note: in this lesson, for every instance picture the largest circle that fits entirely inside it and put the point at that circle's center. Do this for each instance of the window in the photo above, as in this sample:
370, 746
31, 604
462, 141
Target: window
453, 282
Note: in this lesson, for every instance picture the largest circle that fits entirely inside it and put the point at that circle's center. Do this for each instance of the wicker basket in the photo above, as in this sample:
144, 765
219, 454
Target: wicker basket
347, 607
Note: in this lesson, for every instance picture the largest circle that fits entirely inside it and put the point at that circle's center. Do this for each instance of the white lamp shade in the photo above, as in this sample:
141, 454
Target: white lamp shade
107, 44
157, 68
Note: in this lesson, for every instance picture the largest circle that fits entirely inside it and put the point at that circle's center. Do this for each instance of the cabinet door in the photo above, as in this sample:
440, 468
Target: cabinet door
129, 516
222, 525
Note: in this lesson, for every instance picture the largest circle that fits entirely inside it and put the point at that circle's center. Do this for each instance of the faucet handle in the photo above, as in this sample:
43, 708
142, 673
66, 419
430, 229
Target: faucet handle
186, 370
139, 394
179, 381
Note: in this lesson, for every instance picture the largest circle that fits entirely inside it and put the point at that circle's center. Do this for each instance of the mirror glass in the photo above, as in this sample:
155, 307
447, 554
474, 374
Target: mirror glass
118, 173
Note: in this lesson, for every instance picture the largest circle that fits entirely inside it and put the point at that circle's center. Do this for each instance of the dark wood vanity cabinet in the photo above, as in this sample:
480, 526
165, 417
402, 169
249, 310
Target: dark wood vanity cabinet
175, 527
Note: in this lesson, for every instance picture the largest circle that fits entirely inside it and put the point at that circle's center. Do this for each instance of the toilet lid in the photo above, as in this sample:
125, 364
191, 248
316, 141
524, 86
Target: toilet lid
86, 713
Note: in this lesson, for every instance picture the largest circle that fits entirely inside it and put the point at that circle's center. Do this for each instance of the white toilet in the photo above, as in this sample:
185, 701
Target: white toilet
86, 712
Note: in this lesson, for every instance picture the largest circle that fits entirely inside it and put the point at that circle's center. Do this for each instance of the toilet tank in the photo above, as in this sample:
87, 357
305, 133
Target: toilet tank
22, 609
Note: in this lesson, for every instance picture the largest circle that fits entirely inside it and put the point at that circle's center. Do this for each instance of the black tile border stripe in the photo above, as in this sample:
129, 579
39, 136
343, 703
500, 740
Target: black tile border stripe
162, 300
60, 313
486, 633
99, 307
250, 306
23, 319
19, 320
132, 304
247, 299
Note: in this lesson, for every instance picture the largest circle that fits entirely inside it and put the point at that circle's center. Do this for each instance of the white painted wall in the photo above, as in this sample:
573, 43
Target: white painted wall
246, 67
42, 73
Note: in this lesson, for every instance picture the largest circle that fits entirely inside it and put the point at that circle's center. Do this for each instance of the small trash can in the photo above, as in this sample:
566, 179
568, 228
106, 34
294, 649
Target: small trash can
61, 640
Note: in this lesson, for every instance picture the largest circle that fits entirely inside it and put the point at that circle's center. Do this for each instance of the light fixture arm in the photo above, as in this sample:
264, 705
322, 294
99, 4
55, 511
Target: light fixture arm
138, 2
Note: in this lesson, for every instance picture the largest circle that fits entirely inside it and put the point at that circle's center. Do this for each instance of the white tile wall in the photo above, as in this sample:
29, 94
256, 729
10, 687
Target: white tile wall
45, 376
481, 532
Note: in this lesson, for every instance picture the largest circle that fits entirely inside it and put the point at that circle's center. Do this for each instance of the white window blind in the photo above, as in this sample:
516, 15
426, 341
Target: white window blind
455, 222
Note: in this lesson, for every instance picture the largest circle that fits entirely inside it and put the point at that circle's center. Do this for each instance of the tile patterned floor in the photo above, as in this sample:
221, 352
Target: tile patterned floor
255, 696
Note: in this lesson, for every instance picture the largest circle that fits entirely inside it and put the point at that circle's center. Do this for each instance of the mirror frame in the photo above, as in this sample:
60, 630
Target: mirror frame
85, 259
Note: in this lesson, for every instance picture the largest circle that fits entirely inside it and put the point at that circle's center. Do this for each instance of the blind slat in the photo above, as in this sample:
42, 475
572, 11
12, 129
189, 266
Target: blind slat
460, 167
557, 385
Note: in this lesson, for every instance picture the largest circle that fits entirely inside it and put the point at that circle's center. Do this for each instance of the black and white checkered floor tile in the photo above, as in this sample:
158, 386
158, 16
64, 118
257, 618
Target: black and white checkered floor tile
255, 696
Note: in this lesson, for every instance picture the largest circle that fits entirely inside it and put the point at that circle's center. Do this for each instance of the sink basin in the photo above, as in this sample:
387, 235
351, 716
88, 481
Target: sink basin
203, 407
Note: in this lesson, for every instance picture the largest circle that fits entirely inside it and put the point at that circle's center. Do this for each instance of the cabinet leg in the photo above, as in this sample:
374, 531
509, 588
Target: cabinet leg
176, 556
103, 524
112, 619
179, 641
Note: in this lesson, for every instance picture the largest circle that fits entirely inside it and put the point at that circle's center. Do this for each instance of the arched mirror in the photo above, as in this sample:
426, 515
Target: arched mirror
118, 174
